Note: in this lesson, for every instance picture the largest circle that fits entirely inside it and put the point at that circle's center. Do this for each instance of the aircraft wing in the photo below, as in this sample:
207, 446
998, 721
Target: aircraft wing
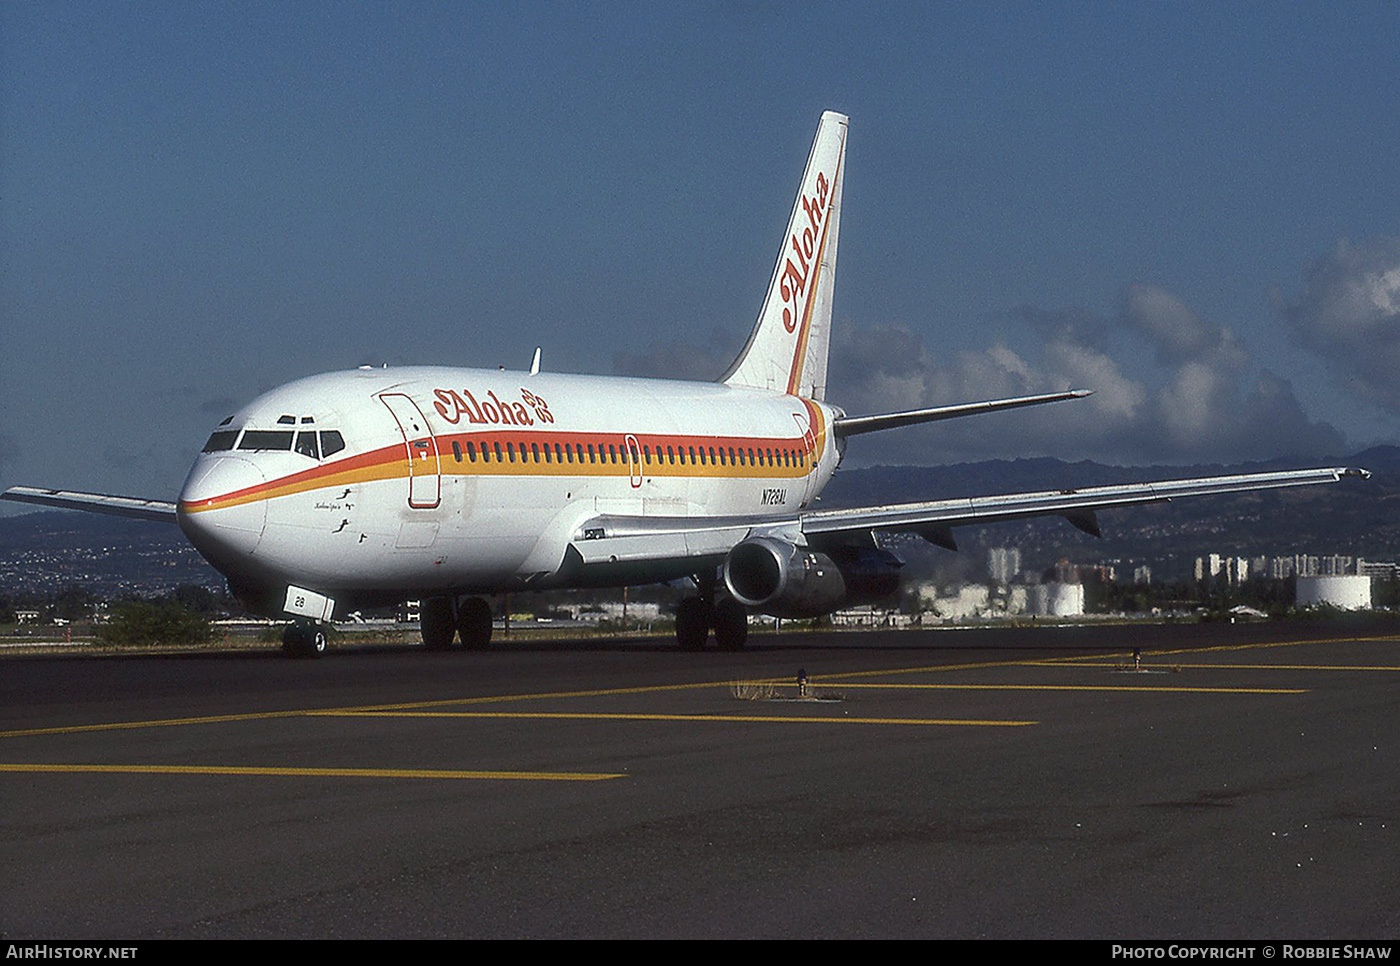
121, 506
1077, 505
614, 539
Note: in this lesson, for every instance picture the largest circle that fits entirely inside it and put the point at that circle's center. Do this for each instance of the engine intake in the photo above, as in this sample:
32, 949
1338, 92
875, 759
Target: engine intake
777, 577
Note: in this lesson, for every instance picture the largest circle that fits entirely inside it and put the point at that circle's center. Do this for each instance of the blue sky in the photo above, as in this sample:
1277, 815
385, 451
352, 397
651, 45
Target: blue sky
1189, 207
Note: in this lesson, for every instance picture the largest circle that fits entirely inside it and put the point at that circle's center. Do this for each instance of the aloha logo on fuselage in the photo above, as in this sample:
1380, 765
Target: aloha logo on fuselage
796, 275
451, 406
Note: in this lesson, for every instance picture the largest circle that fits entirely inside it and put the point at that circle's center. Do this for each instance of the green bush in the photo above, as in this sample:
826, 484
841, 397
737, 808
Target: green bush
144, 622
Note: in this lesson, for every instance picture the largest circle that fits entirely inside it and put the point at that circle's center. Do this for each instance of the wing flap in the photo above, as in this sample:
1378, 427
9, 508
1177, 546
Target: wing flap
624, 539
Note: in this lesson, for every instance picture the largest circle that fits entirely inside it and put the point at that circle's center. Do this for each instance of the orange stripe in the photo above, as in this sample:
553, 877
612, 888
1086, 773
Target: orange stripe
353, 469
799, 359
818, 425
388, 462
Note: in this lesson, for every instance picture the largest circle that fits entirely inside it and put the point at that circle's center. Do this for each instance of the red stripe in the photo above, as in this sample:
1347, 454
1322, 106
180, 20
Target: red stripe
798, 358
394, 453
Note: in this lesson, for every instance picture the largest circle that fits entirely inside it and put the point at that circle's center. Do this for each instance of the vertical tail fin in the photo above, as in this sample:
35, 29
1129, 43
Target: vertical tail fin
787, 349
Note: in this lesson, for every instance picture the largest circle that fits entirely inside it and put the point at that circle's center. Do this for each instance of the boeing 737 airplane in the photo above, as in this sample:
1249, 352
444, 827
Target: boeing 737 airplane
373, 486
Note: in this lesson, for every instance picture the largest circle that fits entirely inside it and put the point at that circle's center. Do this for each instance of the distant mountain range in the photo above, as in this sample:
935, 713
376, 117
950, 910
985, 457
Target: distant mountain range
50, 549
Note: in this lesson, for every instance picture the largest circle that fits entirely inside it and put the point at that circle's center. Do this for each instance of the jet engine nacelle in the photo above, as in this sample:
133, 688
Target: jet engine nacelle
777, 577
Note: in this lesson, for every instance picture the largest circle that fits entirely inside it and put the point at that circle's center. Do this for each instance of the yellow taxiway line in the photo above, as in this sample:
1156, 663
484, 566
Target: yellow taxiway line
1077, 687
1088, 659
272, 772
1232, 667
1081, 661
154, 723
604, 716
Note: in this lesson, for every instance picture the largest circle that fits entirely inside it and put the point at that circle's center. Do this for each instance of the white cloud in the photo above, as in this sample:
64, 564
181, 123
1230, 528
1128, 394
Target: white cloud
1178, 333
701, 361
1197, 403
1193, 399
1349, 313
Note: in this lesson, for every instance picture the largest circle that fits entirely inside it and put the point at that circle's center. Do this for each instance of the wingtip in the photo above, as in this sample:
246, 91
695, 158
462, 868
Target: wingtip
1356, 471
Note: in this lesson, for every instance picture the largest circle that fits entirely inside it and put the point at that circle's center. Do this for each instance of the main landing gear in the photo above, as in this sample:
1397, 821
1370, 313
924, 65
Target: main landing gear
443, 618
695, 616
304, 639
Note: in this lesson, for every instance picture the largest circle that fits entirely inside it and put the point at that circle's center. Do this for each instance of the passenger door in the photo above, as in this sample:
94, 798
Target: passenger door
420, 451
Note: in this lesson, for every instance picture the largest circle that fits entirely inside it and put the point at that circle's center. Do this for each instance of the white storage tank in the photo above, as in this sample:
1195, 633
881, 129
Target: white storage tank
1347, 593
1057, 599
1066, 600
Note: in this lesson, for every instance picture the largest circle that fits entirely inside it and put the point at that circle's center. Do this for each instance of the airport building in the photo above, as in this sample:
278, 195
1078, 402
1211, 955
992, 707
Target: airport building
1004, 563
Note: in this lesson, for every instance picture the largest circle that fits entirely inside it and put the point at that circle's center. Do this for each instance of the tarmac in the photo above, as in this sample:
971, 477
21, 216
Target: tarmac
1239, 782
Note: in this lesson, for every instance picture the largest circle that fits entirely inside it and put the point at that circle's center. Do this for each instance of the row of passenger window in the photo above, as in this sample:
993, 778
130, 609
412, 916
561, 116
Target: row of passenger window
615, 454
317, 445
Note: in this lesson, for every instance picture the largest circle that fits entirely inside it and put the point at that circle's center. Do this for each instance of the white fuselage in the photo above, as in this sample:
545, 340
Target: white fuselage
457, 480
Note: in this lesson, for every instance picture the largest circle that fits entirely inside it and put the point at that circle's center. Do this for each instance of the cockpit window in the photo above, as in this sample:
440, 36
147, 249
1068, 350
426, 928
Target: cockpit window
306, 445
221, 440
331, 442
266, 439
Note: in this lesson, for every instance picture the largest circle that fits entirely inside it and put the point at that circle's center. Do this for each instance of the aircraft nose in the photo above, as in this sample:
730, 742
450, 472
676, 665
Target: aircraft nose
222, 507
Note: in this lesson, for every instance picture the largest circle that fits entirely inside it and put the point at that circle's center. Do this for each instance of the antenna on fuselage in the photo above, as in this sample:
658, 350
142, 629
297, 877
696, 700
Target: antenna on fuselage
535, 363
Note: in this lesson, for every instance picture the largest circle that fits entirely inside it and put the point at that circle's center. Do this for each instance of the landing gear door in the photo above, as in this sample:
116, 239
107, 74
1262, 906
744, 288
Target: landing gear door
420, 450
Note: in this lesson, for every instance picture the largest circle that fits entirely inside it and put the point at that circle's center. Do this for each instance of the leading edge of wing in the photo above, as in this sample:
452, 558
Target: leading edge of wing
121, 506
1012, 506
620, 539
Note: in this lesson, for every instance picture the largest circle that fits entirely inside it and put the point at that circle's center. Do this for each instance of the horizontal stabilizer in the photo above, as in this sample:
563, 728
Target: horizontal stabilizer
851, 425
120, 506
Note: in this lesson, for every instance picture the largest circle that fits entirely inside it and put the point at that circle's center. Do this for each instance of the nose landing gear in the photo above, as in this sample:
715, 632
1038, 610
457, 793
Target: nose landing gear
304, 639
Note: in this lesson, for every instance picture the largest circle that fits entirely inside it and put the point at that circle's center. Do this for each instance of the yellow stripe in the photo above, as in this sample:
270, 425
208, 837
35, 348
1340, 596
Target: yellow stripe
396, 469
1083, 661
1084, 658
925, 669
1075, 687
409, 705
1233, 667
580, 716
367, 474
156, 723
271, 772
799, 362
